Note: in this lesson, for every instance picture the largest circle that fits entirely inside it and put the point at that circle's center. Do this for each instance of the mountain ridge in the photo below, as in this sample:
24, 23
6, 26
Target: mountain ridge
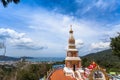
104, 58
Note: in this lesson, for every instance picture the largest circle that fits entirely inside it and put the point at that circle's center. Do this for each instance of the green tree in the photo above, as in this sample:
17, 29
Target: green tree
26, 75
115, 45
1, 74
6, 2
33, 71
85, 62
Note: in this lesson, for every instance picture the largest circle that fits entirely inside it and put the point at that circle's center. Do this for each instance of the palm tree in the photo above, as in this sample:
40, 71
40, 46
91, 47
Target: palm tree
6, 2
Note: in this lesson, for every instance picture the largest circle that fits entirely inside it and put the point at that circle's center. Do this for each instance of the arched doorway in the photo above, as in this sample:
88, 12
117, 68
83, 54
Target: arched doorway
74, 67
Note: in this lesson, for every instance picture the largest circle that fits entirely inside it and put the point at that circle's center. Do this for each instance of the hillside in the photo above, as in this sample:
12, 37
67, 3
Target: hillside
104, 58
8, 58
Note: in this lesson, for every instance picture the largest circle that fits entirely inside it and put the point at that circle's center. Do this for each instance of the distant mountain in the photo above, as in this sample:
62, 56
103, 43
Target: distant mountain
8, 58
25, 57
104, 58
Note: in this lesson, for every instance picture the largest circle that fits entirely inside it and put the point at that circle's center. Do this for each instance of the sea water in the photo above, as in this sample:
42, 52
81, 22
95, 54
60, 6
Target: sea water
46, 59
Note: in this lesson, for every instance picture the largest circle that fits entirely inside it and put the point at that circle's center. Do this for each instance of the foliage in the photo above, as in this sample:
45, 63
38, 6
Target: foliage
24, 71
1, 74
115, 45
6, 2
104, 58
32, 72
25, 75
6, 71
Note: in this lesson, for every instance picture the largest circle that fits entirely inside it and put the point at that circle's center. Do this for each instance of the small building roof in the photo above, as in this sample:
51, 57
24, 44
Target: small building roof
59, 75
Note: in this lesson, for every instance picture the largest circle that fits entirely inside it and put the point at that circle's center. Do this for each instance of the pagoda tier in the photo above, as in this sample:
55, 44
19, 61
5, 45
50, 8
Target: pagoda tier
72, 61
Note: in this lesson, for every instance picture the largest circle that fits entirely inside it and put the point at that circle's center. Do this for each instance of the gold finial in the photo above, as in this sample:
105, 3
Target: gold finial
71, 31
70, 27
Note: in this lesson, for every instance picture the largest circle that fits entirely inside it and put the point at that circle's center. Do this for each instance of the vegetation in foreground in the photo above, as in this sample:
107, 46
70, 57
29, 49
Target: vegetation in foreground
24, 71
115, 45
105, 59
108, 59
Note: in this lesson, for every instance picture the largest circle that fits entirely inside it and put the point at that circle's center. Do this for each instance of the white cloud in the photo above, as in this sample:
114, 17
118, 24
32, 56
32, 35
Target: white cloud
100, 46
52, 29
79, 43
18, 40
113, 31
9, 33
104, 4
101, 4
59, 24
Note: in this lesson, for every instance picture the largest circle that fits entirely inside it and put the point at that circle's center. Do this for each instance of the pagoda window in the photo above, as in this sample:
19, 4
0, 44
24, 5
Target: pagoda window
69, 64
69, 54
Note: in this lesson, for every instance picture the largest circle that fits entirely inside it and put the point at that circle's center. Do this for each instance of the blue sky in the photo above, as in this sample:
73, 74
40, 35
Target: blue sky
40, 28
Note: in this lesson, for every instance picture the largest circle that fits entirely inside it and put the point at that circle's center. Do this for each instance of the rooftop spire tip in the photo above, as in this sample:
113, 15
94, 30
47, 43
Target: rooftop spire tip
71, 27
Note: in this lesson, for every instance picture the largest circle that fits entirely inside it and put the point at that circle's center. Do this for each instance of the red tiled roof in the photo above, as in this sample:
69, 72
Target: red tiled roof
59, 75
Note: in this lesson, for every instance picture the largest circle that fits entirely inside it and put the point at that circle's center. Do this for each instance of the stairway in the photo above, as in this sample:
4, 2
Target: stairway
78, 75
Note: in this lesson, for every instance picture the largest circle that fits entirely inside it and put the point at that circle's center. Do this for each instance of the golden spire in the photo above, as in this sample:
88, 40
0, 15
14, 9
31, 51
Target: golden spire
71, 31
71, 38
71, 27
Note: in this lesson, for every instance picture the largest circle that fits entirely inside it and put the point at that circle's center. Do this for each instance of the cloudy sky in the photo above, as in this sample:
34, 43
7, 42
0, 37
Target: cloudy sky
40, 28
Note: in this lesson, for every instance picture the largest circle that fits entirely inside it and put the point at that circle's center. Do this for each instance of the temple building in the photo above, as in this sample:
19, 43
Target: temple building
72, 69
73, 61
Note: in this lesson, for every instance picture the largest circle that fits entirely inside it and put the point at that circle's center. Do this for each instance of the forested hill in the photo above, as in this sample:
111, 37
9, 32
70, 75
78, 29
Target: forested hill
104, 58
